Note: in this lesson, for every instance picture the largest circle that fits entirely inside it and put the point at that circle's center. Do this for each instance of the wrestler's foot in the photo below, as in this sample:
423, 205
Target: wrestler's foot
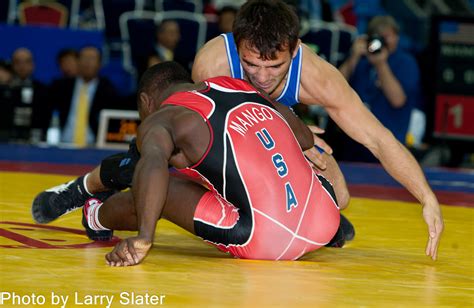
57, 201
95, 235
347, 228
338, 240
344, 233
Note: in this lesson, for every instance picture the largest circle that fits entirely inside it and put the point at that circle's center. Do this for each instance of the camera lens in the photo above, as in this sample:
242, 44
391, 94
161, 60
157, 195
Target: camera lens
375, 45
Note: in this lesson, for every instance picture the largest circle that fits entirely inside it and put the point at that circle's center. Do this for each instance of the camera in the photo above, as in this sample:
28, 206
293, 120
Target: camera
375, 44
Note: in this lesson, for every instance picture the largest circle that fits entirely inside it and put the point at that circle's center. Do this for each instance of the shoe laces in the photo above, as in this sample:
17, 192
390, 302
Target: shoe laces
60, 188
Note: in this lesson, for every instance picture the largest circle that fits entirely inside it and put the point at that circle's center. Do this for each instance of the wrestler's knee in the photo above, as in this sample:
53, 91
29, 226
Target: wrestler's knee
116, 171
343, 198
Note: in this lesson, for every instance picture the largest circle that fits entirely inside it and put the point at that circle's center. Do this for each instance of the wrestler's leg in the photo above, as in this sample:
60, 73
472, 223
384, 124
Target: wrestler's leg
114, 173
94, 183
334, 175
118, 212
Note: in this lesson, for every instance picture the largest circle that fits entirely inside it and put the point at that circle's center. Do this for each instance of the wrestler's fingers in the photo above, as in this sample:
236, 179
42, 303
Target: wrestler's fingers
133, 254
112, 259
315, 129
428, 246
432, 248
436, 239
122, 252
117, 255
320, 143
435, 229
316, 158
127, 254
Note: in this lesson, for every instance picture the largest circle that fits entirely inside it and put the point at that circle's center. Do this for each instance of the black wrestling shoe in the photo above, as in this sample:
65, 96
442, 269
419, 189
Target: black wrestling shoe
344, 233
347, 228
102, 235
338, 240
59, 200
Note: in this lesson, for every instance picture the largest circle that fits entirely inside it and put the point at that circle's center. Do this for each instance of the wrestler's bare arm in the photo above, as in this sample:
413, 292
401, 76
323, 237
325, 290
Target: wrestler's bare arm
211, 60
323, 83
150, 186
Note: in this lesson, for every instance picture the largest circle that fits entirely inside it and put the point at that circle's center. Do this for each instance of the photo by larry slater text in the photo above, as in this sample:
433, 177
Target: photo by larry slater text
63, 300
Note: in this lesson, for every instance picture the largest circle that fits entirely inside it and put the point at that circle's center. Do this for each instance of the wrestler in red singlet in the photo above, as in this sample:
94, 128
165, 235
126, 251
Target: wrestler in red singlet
265, 201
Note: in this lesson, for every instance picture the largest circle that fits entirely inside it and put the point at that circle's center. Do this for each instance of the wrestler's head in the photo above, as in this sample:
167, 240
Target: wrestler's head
266, 35
157, 79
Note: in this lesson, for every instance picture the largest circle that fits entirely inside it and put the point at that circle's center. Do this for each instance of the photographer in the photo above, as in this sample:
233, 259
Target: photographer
386, 78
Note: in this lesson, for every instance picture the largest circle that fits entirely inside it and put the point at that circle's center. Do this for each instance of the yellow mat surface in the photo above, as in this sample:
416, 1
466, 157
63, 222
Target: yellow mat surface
384, 265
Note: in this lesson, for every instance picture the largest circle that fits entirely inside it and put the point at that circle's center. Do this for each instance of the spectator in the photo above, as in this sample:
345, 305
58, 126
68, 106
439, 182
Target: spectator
6, 100
388, 79
167, 38
6, 73
129, 102
225, 18
67, 61
29, 101
153, 59
145, 62
79, 100
23, 66
314, 9
220, 21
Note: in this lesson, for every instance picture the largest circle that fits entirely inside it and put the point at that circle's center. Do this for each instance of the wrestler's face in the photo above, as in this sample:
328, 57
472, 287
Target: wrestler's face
266, 75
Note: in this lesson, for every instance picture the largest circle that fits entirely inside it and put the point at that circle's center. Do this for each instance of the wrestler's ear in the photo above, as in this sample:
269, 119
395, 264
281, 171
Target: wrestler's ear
146, 102
296, 48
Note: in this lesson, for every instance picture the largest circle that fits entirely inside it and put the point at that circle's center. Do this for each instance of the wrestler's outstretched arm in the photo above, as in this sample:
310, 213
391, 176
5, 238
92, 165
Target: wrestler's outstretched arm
326, 85
150, 185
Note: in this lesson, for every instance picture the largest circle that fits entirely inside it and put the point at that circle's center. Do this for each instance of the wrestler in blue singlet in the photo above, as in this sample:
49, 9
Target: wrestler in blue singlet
289, 96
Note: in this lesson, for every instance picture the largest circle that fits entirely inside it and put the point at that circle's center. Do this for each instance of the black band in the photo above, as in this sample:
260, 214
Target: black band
116, 171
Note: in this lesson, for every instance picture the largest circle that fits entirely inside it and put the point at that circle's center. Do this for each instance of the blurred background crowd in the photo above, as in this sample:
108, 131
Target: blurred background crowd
62, 62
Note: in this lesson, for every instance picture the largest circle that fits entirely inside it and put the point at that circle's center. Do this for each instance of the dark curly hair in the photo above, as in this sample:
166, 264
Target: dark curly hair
160, 76
268, 26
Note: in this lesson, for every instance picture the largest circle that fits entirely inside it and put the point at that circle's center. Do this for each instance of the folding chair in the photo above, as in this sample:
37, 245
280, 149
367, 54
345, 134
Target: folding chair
194, 6
320, 35
137, 31
8, 11
45, 14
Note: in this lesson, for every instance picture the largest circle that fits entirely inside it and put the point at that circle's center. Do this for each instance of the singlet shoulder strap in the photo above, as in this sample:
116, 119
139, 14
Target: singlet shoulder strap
290, 94
233, 56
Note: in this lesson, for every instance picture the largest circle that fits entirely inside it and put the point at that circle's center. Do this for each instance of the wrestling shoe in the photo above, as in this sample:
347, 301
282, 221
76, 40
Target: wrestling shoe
344, 233
347, 228
100, 235
59, 200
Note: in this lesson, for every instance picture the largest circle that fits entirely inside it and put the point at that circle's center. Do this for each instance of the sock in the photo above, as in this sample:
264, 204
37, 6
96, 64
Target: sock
92, 215
84, 183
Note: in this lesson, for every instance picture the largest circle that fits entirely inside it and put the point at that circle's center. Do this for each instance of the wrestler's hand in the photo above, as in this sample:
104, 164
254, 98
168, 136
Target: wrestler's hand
130, 251
315, 157
434, 220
